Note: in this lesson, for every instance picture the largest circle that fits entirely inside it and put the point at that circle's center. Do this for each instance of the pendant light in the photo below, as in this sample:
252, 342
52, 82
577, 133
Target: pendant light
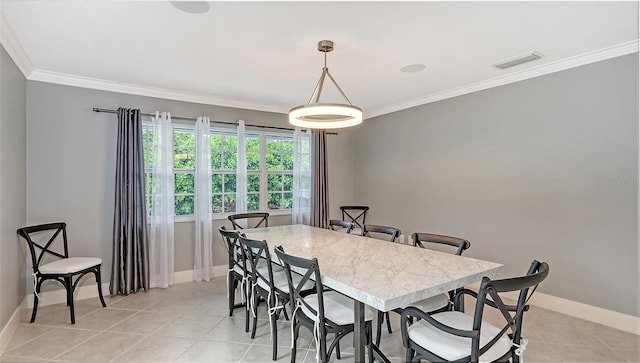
318, 115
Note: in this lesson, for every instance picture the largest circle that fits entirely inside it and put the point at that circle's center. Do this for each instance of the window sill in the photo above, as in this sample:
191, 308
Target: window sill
223, 217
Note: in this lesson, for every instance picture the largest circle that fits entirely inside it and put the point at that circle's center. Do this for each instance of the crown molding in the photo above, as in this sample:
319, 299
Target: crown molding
133, 89
17, 53
552, 67
14, 49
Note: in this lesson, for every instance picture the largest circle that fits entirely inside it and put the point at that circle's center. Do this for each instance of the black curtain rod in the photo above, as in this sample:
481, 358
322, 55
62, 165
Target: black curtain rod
107, 110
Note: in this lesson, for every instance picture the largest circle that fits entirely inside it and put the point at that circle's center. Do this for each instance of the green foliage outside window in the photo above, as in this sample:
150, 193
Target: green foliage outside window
224, 162
278, 164
184, 150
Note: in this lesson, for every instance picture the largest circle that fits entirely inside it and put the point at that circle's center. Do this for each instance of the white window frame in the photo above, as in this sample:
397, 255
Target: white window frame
183, 128
263, 172
224, 133
282, 172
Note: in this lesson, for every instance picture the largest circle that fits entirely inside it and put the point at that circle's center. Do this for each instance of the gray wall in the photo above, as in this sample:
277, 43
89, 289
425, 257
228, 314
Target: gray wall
71, 163
12, 186
544, 168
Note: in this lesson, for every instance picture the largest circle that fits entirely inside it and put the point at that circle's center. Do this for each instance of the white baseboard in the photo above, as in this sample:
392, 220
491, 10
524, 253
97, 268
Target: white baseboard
610, 318
7, 332
220, 271
614, 319
182, 276
187, 275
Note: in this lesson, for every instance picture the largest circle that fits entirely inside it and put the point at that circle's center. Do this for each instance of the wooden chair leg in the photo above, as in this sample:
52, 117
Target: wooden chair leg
369, 339
379, 327
388, 322
274, 336
36, 290
409, 357
68, 284
255, 316
246, 313
99, 282
69, 287
296, 331
232, 283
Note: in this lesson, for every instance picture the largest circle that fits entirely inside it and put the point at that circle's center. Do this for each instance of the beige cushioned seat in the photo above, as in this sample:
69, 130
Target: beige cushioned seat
452, 347
69, 265
337, 308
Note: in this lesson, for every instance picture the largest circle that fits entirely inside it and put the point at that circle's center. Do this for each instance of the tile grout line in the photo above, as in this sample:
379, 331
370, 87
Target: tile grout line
145, 336
89, 338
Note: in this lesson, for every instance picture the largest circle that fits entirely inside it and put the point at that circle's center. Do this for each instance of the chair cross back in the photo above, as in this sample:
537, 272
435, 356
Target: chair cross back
419, 239
253, 251
263, 219
536, 274
307, 269
26, 233
349, 211
372, 228
230, 240
232, 244
341, 224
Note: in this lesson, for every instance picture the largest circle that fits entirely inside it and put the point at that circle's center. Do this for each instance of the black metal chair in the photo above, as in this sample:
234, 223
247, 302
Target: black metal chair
392, 232
422, 240
269, 284
454, 336
338, 225
356, 214
63, 270
436, 303
237, 273
322, 312
261, 219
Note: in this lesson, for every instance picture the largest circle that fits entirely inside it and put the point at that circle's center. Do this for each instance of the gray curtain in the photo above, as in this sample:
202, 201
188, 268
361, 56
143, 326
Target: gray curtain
319, 180
130, 265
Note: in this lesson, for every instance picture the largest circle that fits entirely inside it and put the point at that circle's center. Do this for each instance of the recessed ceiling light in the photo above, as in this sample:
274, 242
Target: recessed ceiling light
523, 58
191, 7
412, 68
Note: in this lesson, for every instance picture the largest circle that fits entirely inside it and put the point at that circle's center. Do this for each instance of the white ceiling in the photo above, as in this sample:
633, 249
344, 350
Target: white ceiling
262, 55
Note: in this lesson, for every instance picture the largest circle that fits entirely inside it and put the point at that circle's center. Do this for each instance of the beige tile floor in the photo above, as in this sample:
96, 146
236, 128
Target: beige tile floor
189, 322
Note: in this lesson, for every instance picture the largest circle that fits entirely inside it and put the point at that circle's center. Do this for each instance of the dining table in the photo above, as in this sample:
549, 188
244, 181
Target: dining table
374, 272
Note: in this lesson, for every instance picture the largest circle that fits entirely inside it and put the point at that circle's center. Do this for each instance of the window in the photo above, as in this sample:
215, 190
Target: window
223, 170
269, 159
279, 171
184, 169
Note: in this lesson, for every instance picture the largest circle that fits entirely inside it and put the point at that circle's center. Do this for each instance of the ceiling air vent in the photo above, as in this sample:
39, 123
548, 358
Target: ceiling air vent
523, 58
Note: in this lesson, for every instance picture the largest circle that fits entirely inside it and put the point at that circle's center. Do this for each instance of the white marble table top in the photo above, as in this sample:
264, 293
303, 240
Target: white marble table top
378, 273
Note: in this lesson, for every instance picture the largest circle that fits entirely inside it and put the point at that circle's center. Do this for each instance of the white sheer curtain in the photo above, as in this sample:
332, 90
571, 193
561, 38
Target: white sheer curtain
202, 259
241, 172
301, 212
161, 255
